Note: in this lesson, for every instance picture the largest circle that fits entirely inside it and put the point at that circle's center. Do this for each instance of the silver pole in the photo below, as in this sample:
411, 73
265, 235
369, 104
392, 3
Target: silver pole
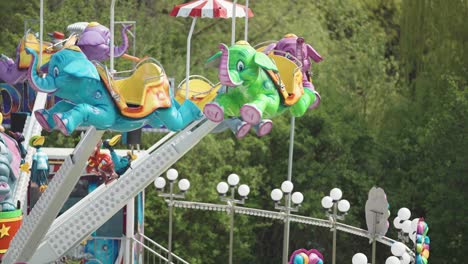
374, 242
288, 200
231, 227
233, 26
335, 205
286, 229
246, 29
169, 243
111, 54
187, 66
41, 31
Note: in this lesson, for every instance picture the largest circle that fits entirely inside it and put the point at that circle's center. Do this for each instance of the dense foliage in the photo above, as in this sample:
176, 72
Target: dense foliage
393, 114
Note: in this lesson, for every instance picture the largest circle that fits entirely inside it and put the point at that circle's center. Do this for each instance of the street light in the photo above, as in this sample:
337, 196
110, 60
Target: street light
400, 256
406, 227
222, 188
183, 185
336, 209
296, 198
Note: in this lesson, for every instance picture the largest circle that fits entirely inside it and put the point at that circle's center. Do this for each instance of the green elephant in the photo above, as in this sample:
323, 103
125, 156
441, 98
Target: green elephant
254, 93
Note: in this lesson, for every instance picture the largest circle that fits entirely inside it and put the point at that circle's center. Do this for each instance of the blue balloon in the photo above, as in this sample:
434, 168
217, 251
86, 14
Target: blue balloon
298, 259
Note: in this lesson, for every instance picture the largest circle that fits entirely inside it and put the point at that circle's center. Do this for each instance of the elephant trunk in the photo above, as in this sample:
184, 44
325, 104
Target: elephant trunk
224, 75
120, 50
300, 49
45, 85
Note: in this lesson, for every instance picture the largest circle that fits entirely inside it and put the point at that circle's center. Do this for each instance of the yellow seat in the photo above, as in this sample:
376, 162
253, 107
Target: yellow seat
201, 91
291, 76
137, 96
30, 41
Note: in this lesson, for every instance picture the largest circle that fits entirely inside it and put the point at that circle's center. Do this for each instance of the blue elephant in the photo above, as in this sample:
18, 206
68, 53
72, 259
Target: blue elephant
91, 97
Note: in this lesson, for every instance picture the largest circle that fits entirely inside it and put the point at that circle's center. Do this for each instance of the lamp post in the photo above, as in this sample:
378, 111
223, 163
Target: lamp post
296, 198
243, 190
184, 185
400, 256
334, 206
407, 228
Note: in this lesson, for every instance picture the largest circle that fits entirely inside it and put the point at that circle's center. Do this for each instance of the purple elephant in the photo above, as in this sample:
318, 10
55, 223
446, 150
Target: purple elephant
9, 71
94, 41
295, 46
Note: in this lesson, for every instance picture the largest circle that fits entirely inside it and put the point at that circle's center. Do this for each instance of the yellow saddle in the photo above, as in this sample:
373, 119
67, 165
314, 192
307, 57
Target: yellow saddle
291, 77
140, 94
30, 41
201, 91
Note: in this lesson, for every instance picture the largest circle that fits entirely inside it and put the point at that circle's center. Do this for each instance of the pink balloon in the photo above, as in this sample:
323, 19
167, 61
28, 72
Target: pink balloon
313, 258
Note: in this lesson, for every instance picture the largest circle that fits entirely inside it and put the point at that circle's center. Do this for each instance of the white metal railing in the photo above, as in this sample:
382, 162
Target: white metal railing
154, 252
281, 216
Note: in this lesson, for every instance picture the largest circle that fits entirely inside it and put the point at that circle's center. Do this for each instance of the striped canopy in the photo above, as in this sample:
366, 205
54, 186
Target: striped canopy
209, 9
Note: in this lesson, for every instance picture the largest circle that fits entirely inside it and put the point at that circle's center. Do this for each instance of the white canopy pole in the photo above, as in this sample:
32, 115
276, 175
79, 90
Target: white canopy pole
41, 30
111, 54
189, 42
233, 32
246, 30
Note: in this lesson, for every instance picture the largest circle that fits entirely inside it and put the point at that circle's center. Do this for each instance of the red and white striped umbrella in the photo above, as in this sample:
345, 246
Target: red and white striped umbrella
210, 9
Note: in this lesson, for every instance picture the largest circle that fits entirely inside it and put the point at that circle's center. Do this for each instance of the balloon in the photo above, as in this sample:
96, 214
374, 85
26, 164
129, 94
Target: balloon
305, 257
313, 258
298, 259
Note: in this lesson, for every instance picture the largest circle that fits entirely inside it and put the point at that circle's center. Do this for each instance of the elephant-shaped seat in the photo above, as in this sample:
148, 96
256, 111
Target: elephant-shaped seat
290, 76
201, 90
140, 94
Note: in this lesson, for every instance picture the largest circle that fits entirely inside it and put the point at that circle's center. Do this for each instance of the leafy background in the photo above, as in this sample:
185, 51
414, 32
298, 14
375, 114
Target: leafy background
393, 114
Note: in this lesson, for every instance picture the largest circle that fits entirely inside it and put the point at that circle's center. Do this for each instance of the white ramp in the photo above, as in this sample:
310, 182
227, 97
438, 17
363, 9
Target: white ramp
81, 220
43, 214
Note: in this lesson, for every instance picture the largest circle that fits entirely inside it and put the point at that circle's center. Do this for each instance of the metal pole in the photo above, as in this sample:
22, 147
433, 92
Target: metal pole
246, 29
41, 31
374, 242
288, 197
291, 147
129, 230
286, 229
335, 205
231, 227
187, 66
112, 37
169, 243
233, 27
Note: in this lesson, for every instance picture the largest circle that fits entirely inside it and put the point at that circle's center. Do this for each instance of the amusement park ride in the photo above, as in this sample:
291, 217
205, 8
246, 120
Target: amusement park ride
264, 81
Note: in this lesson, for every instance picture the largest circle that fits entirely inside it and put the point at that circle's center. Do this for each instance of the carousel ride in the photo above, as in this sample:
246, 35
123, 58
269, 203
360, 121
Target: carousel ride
263, 82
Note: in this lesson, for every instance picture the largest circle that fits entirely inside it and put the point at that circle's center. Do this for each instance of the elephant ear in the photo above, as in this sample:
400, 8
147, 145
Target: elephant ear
313, 54
214, 60
269, 48
264, 62
82, 69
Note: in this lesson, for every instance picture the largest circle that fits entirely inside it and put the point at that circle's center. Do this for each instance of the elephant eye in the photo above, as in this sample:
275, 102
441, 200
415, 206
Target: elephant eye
240, 66
56, 71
